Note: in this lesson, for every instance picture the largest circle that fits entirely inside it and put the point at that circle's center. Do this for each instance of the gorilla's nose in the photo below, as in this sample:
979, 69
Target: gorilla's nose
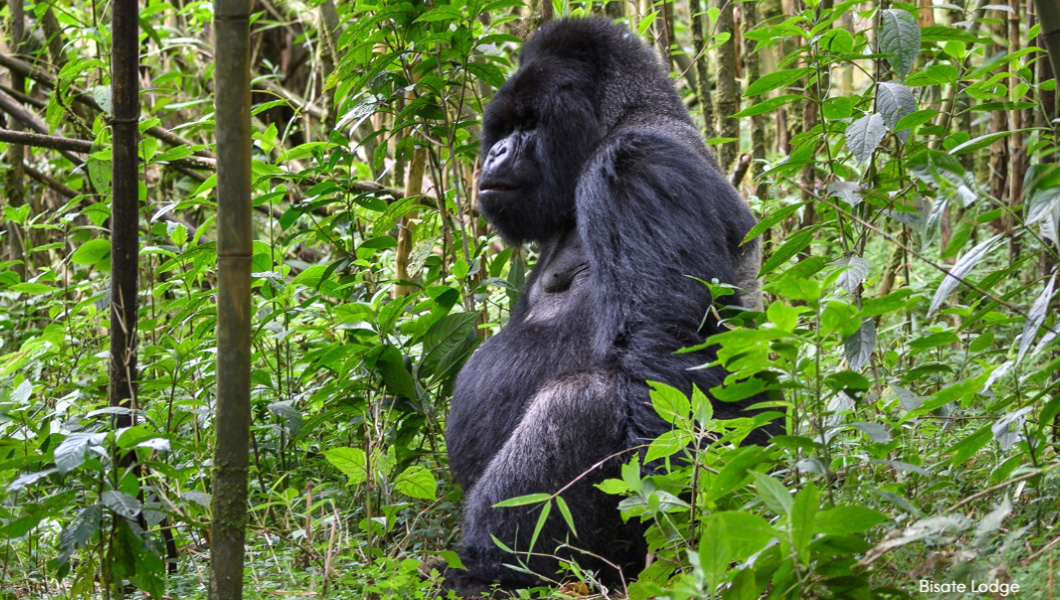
498, 153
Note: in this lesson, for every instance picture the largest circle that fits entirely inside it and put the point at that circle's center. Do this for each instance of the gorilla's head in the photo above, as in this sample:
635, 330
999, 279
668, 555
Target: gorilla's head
575, 84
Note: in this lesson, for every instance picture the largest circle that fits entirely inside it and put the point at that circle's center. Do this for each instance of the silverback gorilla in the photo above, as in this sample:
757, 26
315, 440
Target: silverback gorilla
588, 151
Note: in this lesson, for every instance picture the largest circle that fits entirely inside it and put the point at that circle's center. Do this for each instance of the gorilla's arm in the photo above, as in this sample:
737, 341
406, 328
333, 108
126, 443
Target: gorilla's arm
652, 212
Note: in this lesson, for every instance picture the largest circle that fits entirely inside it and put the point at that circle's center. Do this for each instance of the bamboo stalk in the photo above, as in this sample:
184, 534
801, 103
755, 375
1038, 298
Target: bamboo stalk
234, 248
125, 206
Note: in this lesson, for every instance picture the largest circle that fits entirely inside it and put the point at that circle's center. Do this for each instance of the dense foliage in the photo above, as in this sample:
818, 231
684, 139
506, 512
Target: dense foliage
900, 158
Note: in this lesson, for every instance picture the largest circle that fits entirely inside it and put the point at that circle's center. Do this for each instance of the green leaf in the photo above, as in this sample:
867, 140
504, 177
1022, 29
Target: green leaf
848, 519
541, 519
860, 345
773, 493
837, 108
767, 105
864, 135
1003, 105
783, 316
837, 41
940, 74
567, 517
983, 141
452, 559
966, 448
916, 119
942, 170
391, 366
960, 270
449, 341
20, 527
803, 515
746, 533
672, 405
770, 220
776, 80
445, 12
33, 288
735, 471
121, 503
303, 151
702, 407
91, 252
489, 73
942, 33
417, 482
71, 452
646, 22
667, 444
900, 39
894, 101
715, 554
790, 248
524, 500
957, 392
353, 462
80, 532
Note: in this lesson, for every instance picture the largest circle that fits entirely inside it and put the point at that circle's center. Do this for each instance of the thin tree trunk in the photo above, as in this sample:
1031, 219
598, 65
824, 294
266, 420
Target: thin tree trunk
540, 11
999, 162
16, 193
1049, 16
703, 78
125, 209
728, 101
1048, 110
406, 229
124, 231
752, 71
1017, 153
926, 14
234, 246
329, 16
664, 31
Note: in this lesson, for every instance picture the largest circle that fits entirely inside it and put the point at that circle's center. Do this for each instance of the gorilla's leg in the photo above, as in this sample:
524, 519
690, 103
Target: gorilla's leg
572, 424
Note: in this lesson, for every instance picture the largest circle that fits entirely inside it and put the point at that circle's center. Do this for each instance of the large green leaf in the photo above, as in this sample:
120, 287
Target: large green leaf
900, 39
776, 79
351, 461
864, 135
417, 482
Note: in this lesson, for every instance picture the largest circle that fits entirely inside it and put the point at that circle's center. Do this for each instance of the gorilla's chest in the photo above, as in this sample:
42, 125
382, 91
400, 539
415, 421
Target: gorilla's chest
563, 285
547, 336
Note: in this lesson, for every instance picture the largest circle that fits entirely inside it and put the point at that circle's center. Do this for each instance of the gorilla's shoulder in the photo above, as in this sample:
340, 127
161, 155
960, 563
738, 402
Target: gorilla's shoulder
667, 149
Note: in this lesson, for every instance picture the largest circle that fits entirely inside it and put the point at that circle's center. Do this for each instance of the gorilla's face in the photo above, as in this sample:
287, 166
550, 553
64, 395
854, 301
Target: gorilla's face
537, 133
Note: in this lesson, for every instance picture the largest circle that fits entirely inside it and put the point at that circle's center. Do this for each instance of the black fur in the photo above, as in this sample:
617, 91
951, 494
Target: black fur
589, 151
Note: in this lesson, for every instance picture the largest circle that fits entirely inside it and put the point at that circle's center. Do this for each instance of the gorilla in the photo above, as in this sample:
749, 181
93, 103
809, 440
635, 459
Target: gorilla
589, 152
